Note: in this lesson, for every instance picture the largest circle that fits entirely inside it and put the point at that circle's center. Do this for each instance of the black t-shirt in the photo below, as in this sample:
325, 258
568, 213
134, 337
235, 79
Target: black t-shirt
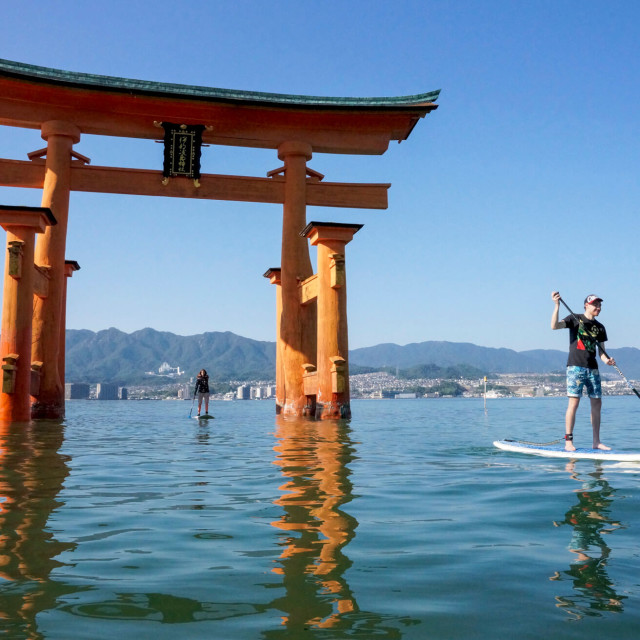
202, 384
583, 339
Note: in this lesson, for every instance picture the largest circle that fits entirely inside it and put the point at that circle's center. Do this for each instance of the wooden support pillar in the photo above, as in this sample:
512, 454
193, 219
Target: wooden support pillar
274, 276
297, 340
21, 225
69, 267
332, 378
50, 252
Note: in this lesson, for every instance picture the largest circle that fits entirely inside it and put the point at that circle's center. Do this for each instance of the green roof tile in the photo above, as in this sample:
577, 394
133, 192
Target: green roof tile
87, 81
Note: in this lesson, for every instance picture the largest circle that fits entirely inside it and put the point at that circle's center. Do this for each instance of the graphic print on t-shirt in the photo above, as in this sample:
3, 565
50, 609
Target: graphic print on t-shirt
584, 337
587, 337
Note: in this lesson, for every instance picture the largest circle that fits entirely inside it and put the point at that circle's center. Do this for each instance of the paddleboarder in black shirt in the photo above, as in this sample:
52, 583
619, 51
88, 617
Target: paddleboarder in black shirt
202, 391
586, 335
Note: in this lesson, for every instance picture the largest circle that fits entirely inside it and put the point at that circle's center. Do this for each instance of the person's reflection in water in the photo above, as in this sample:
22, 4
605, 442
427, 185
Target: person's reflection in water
590, 518
314, 458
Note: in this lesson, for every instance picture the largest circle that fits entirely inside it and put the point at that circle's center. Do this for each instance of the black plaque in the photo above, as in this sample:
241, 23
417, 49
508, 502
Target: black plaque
182, 149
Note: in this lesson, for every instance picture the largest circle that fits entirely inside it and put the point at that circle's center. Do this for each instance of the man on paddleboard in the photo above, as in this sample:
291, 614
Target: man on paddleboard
585, 335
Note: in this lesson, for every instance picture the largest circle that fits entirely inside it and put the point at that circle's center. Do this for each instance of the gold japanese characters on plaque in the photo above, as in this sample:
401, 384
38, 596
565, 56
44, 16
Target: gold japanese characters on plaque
182, 149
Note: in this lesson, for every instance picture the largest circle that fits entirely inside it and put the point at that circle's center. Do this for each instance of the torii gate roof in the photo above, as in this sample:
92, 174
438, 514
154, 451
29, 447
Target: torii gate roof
105, 105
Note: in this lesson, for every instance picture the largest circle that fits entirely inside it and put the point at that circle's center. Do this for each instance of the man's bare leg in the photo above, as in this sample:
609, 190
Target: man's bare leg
570, 421
596, 410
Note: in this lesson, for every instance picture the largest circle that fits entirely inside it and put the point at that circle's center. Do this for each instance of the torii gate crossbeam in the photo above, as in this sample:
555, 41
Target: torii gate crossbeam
21, 173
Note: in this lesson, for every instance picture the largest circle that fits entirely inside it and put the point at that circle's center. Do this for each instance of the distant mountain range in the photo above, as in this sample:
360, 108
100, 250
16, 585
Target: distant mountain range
487, 359
114, 356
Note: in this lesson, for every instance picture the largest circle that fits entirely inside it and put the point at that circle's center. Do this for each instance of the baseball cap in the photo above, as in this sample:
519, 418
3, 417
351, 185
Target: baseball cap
592, 299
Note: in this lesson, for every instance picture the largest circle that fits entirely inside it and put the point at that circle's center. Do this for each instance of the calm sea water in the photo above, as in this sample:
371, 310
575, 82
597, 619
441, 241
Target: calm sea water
132, 521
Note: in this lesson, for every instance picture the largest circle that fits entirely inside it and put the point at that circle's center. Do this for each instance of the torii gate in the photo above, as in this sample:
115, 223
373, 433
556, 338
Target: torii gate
312, 349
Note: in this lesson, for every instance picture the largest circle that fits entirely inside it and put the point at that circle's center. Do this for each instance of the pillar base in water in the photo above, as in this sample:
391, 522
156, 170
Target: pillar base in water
47, 411
333, 411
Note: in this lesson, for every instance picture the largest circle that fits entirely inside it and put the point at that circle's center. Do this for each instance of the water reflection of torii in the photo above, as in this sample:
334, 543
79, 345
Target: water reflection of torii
590, 518
32, 472
314, 458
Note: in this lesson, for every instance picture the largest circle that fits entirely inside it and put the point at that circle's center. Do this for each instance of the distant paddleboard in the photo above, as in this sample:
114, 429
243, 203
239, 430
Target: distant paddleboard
558, 451
204, 416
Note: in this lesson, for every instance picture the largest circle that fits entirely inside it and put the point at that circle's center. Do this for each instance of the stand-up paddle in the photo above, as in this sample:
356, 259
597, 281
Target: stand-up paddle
577, 319
192, 402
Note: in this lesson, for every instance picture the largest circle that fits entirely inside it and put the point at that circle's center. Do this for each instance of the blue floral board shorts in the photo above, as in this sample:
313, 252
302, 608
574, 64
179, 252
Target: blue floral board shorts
580, 377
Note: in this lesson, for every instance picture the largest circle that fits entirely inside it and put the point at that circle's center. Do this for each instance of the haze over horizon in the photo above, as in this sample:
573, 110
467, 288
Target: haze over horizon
523, 181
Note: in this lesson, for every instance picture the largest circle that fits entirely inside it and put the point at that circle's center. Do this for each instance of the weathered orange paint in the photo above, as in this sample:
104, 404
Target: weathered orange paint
50, 252
332, 379
21, 225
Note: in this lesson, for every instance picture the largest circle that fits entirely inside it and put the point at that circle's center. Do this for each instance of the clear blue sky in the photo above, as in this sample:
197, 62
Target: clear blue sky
526, 179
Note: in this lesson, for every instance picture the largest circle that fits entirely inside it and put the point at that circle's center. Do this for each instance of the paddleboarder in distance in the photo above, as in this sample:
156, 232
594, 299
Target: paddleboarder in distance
202, 391
585, 335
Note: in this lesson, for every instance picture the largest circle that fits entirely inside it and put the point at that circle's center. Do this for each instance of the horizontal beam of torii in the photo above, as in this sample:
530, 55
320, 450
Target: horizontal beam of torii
30, 174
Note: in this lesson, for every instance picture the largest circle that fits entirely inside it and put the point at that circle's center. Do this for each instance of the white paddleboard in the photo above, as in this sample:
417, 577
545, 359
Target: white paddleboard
204, 416
558, 451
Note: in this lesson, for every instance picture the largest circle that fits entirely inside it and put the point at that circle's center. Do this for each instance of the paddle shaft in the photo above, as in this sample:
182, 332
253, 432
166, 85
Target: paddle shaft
577, 319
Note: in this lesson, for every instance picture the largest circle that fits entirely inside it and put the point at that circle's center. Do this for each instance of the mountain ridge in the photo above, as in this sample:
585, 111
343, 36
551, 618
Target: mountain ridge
111, 355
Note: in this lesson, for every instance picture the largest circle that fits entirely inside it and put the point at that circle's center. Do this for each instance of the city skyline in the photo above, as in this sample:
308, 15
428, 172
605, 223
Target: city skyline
521, 182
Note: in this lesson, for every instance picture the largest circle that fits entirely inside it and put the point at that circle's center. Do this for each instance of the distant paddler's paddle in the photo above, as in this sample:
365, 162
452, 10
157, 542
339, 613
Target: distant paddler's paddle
194, 399
579, 320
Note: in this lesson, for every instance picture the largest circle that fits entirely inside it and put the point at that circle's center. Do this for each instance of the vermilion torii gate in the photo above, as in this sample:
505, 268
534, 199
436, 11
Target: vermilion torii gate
312, 349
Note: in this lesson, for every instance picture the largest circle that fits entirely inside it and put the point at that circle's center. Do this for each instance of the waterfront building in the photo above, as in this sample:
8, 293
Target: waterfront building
76, 391
244, 392
107, 391
185, 391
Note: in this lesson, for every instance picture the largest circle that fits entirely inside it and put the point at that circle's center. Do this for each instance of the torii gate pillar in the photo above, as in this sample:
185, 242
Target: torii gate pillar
297, 324
69, 267
21, 225
332, 379
275, 277
50, 252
